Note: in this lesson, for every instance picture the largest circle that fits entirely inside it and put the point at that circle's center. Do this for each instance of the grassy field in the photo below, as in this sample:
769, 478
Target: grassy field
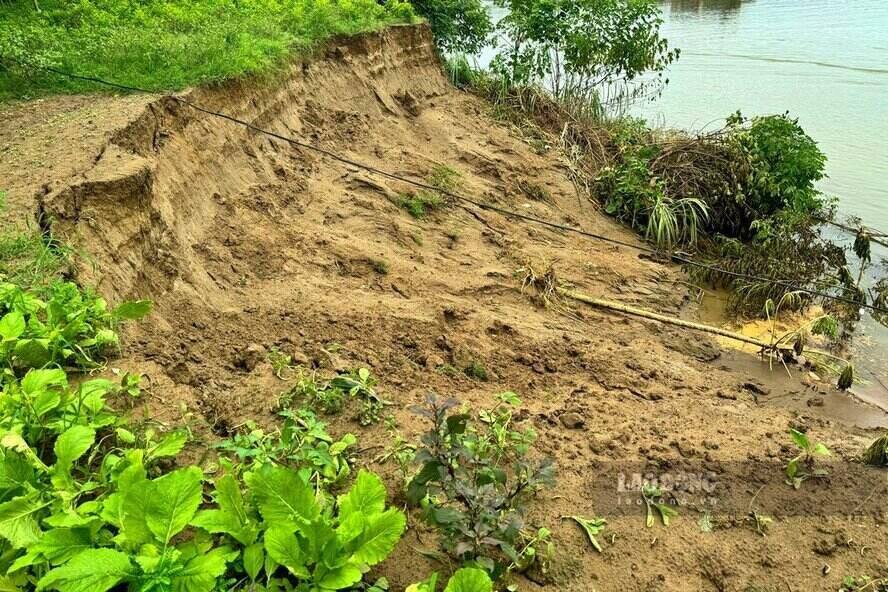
168, 44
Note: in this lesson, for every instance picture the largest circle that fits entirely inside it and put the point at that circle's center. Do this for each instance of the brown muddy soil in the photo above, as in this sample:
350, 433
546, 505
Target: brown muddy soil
248, 243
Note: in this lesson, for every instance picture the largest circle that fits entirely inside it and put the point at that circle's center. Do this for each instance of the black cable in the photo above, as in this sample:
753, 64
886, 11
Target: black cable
484, 206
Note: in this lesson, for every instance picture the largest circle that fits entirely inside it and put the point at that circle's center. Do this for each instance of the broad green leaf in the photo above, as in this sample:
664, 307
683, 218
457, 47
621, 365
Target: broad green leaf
12, 325
32, 353
132, 310
62, 544
18, 520
173, 501
169, 446
92, 393
231, 518
469, 579
342, 577
380, 536
71, 445
45, 401
282, 496
821, 449
666, 513
367, 496
800, 439
254, 557
282, 546
201, 571
15, 471
38, 380
95, 570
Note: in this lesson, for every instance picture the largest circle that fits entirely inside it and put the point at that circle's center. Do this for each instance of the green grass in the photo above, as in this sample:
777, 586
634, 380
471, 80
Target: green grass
29, 258
421, 203
169, 44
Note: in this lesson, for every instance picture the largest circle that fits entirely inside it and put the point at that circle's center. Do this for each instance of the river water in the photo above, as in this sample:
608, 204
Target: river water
824, 61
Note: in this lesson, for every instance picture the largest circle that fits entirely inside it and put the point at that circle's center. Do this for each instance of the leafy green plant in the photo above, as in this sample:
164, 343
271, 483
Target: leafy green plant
801, 467
863, 584
318, 395
67, 326
360, 384
592, 527
474, 482
420, 203
476, 370
281, 363
467, 579
877, 452
330, 396
785, 162
654, 502
302, 442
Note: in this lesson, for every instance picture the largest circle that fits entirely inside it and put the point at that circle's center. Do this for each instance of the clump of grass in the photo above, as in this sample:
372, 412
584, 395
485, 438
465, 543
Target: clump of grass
444, 178
380, 266
169, 44
421, 203
476, 370
30, 258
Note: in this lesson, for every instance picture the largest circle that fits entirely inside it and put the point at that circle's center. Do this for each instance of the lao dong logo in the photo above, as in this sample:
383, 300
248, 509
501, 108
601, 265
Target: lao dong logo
671, 482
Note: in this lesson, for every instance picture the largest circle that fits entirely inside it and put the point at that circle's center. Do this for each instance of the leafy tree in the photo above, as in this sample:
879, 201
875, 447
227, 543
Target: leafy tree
577, 45
460, 26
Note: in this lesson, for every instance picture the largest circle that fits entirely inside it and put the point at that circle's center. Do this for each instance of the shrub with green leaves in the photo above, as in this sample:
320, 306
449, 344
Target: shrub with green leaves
784, 163
474, 483
576, 46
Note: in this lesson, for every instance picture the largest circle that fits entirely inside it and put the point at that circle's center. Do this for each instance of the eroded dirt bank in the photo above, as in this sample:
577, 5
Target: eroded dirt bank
243, 241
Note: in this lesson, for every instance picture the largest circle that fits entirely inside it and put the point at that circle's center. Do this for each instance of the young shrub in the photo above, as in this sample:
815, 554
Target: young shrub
474, 483
783, 164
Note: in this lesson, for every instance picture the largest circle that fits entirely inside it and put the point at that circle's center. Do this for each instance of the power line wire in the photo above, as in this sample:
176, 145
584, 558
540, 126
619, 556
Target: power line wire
483, 205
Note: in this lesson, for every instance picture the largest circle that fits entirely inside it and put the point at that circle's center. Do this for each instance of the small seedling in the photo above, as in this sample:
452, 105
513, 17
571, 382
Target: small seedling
360, 385
591, 526
759, 522
654, 501
801, 468
281, 363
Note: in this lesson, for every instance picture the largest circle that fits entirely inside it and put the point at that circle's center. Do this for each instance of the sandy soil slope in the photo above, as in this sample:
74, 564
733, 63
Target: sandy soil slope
246, 242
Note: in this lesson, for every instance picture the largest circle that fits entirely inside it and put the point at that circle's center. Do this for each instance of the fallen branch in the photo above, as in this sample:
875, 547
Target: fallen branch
646, 314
